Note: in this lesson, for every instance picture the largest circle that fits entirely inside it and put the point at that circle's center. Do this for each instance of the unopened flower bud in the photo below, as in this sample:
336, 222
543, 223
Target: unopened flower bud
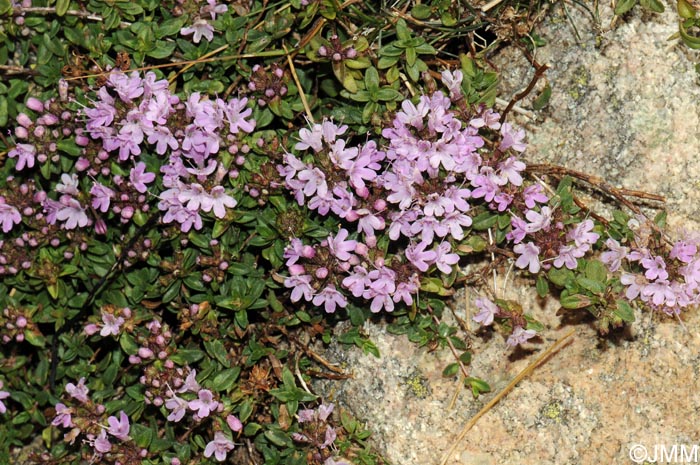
82, 164
296, 269
35, 104
322, 272
24, 120
145, 352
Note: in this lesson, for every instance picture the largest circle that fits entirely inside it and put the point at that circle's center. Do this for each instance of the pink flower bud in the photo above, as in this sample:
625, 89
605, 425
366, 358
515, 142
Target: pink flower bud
82, 164
19, 337
82, 140
322, 272
21, 322
35, 104
21, 132
371, 241
91, 329
49, 119
361, 249
234, 423
297, 269
351, 216
145, 352
379, 205
308, 252
100, 227
24, 120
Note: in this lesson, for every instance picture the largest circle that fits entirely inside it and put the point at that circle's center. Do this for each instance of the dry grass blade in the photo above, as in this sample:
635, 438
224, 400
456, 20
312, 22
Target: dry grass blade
522, 375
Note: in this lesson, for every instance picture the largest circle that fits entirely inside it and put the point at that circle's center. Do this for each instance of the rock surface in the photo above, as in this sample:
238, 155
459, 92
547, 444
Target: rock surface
624, 106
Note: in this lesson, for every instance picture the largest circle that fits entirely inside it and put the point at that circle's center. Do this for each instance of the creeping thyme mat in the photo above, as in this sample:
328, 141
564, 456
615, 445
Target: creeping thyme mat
196, 194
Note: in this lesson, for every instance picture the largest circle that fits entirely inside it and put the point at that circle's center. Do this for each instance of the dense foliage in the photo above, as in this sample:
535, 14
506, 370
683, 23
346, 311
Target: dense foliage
196, 193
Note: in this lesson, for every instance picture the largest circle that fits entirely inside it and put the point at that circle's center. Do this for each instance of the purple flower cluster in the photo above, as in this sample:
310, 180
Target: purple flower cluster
83, 416
132, 111
665, 280
487, 313
542, 240
416, 191
317, 432
15, 324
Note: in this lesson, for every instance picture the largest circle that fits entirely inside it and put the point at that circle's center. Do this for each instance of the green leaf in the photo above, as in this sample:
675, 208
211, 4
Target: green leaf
387, 62
225, 380
216, 349
484, 221
62, 7
685, 9
162, 50
402, 31
542, 286
372, 79
624, 311
387, 94
421, 11
542, 100
477, 386
594, 286
623, 6
448, 20
576, 301
450, 370
411, 56
653, 5
5, 6
595, 270
434, 285
170, 27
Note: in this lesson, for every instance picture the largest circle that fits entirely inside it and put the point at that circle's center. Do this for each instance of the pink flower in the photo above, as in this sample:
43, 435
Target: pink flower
200, 28
72, 213
656, 268
219, 199
614, 255
25, 154
111, 324
329, 297
63, 416
119, 428
3, 395
520, 336
139, 177
9, 216
444, 259
528, 256
102, 444
204, 404
487, 311
301, 287
512, 138
235, 113
419, 257
219, 447
101, 197
78, 392
453, 82
177, 407
340, 247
